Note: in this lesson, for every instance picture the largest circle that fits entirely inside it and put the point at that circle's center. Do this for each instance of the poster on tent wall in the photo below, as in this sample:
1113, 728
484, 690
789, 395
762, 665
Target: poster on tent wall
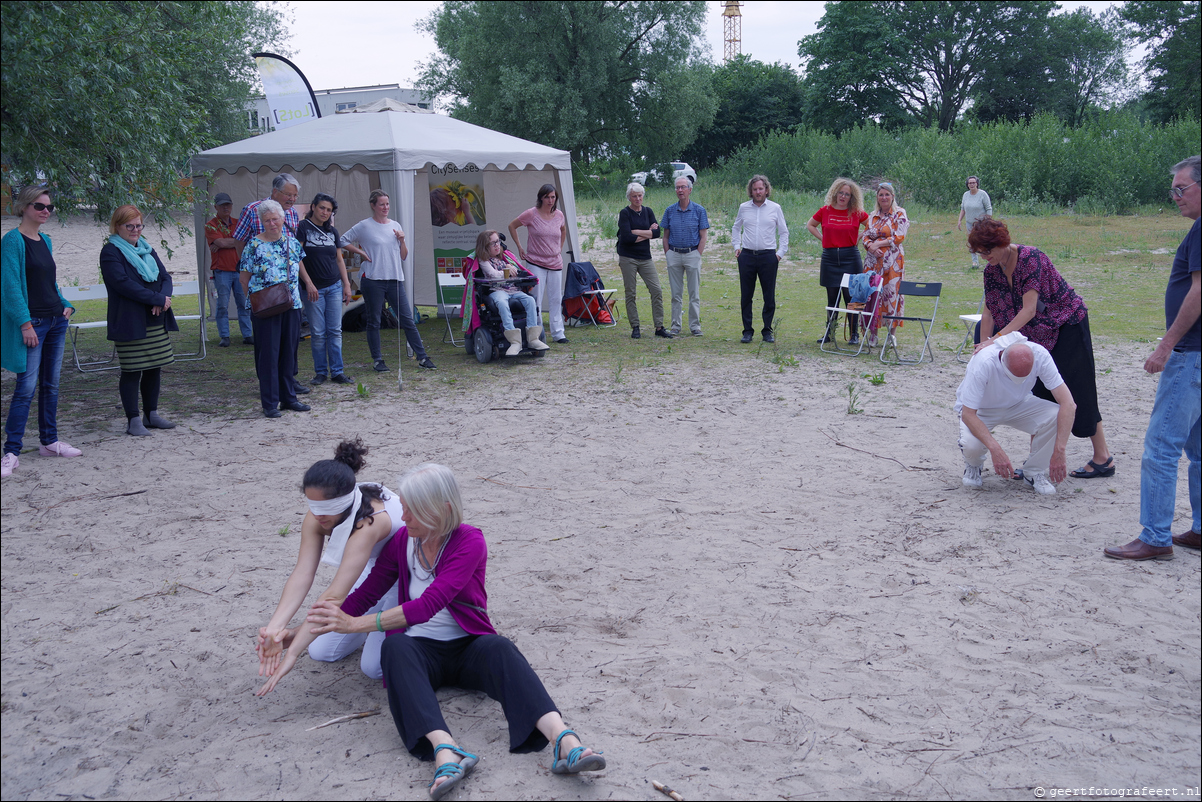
457, 215
289, 95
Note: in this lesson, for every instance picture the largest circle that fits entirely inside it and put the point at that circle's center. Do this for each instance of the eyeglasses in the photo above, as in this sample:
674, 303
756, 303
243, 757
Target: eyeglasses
1176, 192
134, 227
43, 207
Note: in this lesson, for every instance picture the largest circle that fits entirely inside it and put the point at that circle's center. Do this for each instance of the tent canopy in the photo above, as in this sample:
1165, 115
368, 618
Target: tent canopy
394, 150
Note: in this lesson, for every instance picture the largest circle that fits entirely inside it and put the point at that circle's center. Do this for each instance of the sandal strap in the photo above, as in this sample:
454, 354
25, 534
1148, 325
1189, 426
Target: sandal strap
447, 770
558, 757
456, 750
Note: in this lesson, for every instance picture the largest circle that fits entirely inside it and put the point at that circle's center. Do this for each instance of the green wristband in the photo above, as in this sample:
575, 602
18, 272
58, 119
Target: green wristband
378, 627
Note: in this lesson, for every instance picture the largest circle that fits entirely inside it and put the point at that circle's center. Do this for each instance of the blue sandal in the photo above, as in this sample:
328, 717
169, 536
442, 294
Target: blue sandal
576, 761
454, 772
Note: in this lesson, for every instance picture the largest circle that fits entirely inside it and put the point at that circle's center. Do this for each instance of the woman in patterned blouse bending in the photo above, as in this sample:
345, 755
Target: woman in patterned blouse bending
1023, 292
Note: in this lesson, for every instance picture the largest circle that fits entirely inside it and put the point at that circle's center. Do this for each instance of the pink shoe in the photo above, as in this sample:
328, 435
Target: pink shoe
59, 449
9, 464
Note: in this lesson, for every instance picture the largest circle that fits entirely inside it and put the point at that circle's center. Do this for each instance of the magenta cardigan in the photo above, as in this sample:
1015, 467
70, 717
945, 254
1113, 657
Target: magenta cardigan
458, 585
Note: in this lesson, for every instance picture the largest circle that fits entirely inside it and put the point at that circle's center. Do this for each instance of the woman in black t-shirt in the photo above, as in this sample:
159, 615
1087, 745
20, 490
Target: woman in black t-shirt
33, 331
325, 288
637, 226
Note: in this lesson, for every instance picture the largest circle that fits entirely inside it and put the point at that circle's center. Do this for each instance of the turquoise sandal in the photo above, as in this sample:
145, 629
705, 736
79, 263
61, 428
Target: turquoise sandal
454, 772
576, 761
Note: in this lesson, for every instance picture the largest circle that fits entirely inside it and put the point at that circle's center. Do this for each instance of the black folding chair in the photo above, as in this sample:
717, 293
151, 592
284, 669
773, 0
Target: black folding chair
912, 289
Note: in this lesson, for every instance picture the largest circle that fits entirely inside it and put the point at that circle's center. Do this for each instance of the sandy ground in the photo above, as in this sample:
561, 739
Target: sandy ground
727, 583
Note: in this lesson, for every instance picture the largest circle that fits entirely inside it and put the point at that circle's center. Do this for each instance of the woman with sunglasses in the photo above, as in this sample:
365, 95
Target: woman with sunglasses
139, 317
34, 328
325, 288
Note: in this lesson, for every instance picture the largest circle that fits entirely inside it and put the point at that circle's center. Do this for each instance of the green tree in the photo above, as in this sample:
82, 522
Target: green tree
1071, 64
106, 101
920, 59
753, 99
1173, 33
844, 63
595, 78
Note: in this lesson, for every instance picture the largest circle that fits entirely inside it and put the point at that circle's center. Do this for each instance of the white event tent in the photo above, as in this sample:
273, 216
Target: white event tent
393, 147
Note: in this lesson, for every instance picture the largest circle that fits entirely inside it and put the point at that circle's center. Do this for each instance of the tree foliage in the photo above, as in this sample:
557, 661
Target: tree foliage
1173, 32
1076, 63
753, 99
593, 77
106, 101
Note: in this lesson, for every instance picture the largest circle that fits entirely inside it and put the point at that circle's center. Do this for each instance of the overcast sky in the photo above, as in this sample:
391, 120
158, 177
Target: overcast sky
361, 44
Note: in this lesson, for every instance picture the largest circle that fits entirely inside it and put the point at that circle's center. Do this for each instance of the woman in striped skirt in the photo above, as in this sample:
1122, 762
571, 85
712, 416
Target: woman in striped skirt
139, 317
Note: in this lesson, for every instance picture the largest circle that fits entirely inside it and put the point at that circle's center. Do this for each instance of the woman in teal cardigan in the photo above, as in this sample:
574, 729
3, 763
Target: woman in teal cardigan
33, 329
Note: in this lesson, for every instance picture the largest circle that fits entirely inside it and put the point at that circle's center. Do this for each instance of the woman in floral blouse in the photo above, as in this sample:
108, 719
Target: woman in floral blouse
887, 227
1023, 292
272, 257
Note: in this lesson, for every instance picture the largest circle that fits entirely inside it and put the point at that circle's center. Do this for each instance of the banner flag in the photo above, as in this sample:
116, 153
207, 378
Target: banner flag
289, 95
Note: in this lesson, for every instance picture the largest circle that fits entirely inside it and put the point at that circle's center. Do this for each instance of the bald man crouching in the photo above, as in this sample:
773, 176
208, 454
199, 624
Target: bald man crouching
996, 391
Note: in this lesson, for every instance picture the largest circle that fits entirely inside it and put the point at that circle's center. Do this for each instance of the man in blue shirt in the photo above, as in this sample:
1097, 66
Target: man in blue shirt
685, 227
1177, 412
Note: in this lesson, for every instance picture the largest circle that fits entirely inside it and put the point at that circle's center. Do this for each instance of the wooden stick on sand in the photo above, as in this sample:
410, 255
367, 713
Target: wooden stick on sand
663, 789
340, 719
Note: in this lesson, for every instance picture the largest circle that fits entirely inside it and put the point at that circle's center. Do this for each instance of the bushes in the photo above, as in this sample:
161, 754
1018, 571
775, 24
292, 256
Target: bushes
1112, 163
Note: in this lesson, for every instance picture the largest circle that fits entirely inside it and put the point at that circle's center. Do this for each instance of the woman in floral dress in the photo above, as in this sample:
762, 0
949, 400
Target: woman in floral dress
887, 227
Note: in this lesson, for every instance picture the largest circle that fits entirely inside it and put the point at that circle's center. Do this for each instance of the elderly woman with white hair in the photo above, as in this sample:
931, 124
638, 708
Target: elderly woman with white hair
440, 634
271, 261
637, 226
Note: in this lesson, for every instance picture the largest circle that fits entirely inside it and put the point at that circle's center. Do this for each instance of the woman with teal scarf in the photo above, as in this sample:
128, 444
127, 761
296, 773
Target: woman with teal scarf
139, 317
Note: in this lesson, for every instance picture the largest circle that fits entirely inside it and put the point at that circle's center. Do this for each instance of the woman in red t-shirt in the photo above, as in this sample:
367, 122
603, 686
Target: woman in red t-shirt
840, 220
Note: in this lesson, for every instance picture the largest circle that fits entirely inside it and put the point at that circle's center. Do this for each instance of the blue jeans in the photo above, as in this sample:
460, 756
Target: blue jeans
501, 299
226, 281
1173, 428
43, 364
325, 328
375, 293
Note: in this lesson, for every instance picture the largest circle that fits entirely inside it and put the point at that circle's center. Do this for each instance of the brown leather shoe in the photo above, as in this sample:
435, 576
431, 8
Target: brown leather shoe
1139, 550
1190, 540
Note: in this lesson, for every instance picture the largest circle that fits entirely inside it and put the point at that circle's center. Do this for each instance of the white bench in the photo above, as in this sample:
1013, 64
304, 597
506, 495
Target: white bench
98, 292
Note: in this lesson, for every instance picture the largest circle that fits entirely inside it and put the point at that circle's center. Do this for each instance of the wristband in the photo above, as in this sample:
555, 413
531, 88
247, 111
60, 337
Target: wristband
378, 627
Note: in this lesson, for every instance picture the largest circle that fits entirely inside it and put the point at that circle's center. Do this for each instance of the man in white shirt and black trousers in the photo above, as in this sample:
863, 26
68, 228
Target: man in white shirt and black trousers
996, 391
761, 240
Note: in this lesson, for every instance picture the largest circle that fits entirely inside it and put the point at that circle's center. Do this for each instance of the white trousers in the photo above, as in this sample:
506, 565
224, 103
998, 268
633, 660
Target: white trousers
549, 294
334, 646
1032, 415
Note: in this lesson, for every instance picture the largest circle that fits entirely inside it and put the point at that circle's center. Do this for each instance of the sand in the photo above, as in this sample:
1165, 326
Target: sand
727, 583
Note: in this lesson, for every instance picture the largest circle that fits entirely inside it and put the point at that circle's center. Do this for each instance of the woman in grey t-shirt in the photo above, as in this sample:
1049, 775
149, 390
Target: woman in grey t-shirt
973, 206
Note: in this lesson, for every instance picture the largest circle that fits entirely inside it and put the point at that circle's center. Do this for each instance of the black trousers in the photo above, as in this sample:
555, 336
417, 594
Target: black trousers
760, 266
414, 668
276, 339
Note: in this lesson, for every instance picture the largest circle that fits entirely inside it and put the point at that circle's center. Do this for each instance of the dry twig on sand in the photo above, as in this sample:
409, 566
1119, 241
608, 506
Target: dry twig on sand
663, 789
348, 717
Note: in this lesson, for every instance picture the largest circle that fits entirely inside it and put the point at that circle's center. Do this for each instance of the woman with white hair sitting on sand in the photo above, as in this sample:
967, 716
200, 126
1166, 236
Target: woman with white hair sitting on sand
440, 634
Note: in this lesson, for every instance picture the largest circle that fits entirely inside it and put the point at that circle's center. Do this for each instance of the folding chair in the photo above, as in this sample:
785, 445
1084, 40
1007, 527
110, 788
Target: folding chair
913, 289
450, 284
96, 292
863, 315
970, 324
191, 288
585, 299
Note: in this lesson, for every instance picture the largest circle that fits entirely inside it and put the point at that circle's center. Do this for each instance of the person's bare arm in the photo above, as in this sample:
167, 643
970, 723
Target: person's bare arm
1187, 315
1058, 469
308, 282
998, 455
1024, 316
813, 228
513, 236
705, 233
346, 280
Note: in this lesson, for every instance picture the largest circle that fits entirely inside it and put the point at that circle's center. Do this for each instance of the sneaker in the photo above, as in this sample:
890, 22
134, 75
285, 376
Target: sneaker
380, 366
9, 464
746, 337
662, 332
696, 332
59, 449
1040, 484
225, 343
562, 340
248, 340
635, 333
854, 340
769, 337
972, 477
319, 379
342, 378
427, 363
